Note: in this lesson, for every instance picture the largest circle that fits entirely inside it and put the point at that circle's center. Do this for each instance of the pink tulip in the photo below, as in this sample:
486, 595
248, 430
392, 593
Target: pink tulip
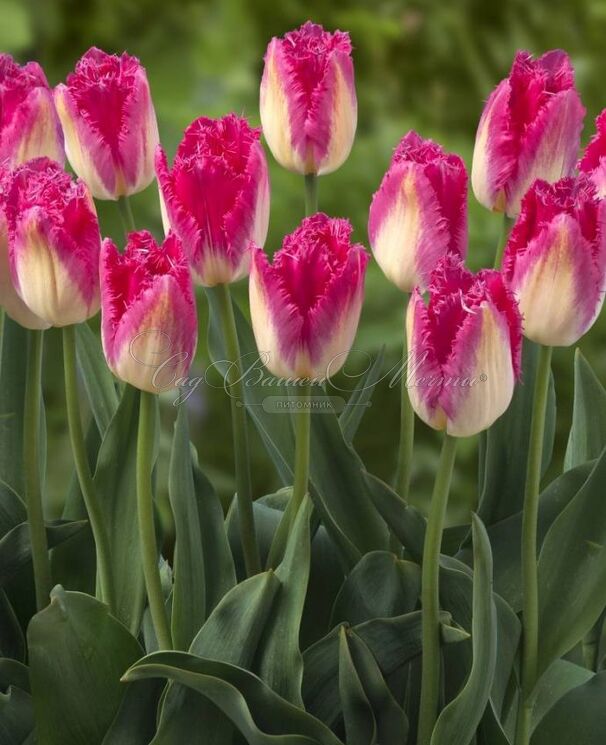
593, 161
419, 213
109, 123
54, 243
530, 128
308, 99
29, 126
149, 324
555, 260
305, 307
216, 196
465, 348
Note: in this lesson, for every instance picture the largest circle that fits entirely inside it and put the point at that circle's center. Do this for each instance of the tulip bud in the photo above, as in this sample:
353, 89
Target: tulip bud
465, 348
216, 196
109, 123
149, 324
54, 243
305, 307
593, 162
555, 260
29, 126
308, 99
530, 128
419, 213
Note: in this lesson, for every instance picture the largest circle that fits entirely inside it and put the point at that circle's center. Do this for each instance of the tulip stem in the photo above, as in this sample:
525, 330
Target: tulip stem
233, 379
530, 585
311, 194
506, 226
407, 430
85, 479
430, 592
31, 462
147, 529
126, 214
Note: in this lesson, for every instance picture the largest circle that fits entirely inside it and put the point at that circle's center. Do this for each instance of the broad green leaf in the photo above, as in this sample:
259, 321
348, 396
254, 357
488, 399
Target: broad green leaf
458, 722
587, 436
115, 484
16, 716
135, 722
490, 729
15, 547
557, 680
12, 642
379, 586
578, 718
12, 509
77, 653
572, 570
13, 362
98, 381
279, 660
230, 634
189, 597
358, 717
14, 673
251, 705
359, 399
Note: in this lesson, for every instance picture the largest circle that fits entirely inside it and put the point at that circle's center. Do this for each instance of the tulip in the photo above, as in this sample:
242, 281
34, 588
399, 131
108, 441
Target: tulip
109, 123
555, 260
530, 128
149, 324
29, 126
9, 299
54, 243
308, 99
465, 348
216, 196
593, 161
305, 307
419, 213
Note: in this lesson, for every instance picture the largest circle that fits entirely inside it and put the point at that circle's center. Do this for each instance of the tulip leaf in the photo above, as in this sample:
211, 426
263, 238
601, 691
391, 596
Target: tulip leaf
13, 362
578, 718
12, 642
98, 381
587, 436
12, 509
77, 653
458, 722
359, 400
557, 680
379, 586
360, 725
135, 722
16, 716
115, 484
572, 570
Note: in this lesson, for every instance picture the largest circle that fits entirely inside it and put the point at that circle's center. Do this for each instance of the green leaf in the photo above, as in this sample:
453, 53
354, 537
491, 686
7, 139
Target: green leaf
458, 722
135, 722
572, 570
359, 400
12, 642
16, 716
557, 680
13, 361
115, 483
280, 663
98, 381
578, 718
15, 547
12, 509
360, 725
587, 436
77, 653
189, 601
379, 586
251, 705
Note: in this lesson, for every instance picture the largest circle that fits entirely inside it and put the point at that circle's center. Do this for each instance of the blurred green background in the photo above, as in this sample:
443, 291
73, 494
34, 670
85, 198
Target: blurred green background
422, 65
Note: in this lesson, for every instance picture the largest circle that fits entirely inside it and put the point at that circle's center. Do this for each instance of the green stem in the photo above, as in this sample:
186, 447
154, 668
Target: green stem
85, 479
126, 215
234, 381
530, 608
31, 463
407, 431
430, 593
311, 194
147, 530
503, 238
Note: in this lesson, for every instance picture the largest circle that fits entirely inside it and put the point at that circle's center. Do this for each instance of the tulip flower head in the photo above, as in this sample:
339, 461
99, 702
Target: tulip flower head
593, 161
530, 128
465, 349
109, 123
54, 243
305, 307
149, 324
29, 126
555, 260
308, 99
216, 196
419, 213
